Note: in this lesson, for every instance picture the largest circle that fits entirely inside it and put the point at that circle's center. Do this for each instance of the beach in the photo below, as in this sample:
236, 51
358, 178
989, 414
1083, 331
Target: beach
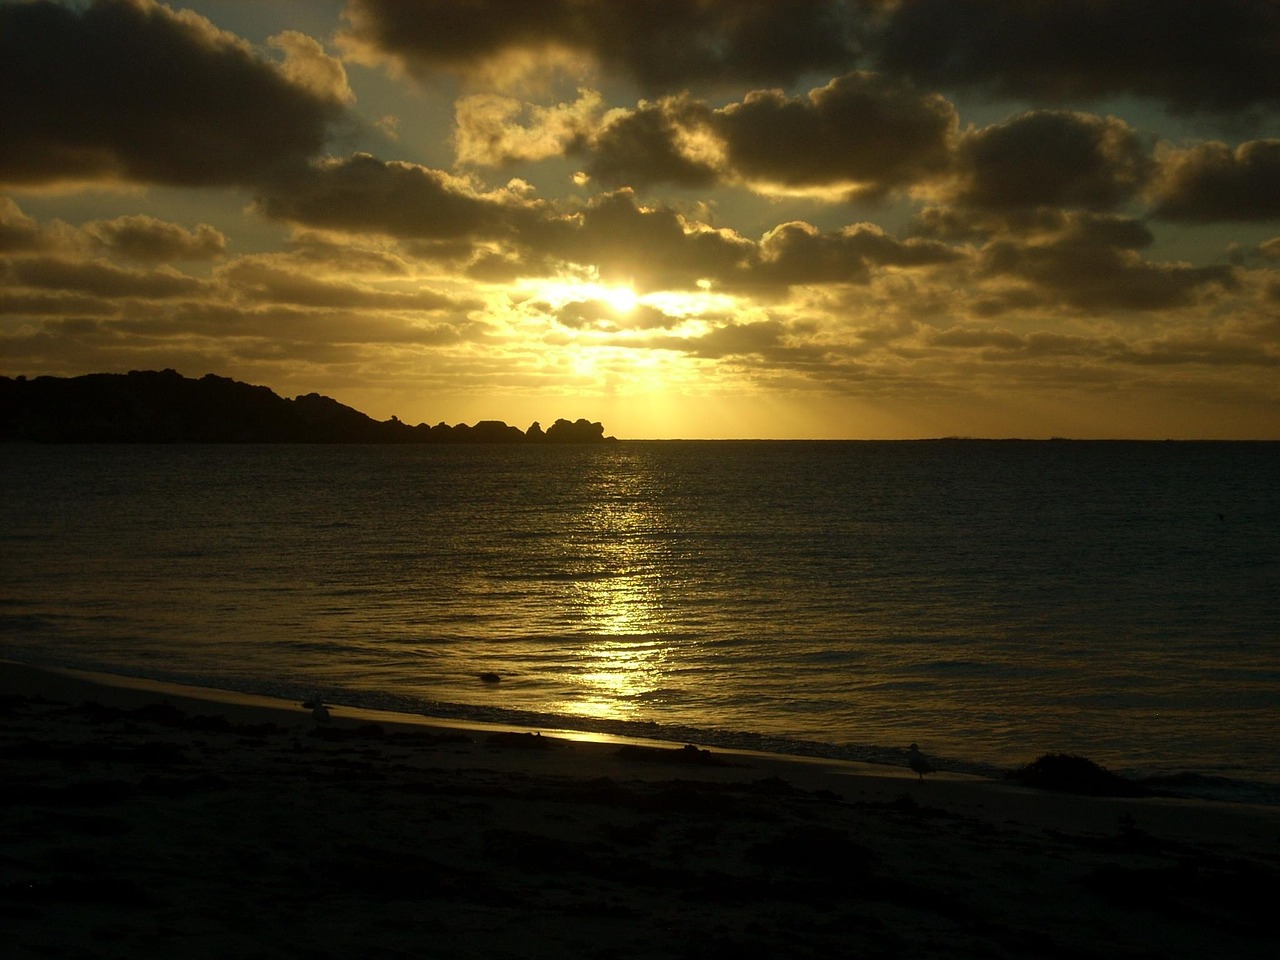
143, 819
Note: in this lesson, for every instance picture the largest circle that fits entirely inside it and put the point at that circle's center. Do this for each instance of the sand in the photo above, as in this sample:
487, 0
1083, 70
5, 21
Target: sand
156, 821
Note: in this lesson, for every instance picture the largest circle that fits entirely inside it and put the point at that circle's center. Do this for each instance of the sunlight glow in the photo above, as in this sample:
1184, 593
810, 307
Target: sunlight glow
622, 299
676, 303
558, 293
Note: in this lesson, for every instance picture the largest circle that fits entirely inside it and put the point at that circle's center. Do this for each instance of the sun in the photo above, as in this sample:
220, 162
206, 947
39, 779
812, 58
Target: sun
620, 299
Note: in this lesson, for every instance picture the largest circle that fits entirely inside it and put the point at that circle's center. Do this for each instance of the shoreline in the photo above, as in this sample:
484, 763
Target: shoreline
150, 819
130, 692
1180, 783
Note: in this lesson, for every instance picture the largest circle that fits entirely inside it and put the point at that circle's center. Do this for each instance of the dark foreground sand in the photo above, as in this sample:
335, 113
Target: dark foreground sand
145, 823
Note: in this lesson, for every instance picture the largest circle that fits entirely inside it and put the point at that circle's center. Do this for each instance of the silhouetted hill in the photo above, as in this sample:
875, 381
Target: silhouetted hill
166, 407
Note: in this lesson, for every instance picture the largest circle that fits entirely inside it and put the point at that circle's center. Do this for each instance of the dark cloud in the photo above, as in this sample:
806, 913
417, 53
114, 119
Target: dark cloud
139, 238
1052, 158
968, 225
256, 280
656, 248
663, 45
365, 194
859, 128
18, 231
951, 225
130, 90
320, 250
997, 304
1192, 55
1084, 270
100, 278
762, 346
643, 146
1211, 182
580, 314
1207, 349
860, 131
969, 338
652, 247
799, 253
56, 304
1189, 54
765, 339
144, 238
1105, 230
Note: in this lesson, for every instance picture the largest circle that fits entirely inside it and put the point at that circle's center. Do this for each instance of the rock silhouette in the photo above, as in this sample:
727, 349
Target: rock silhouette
166, 407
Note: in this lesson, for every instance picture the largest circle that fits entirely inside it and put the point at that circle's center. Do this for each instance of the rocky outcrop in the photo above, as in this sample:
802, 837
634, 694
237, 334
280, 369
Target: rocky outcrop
166, 407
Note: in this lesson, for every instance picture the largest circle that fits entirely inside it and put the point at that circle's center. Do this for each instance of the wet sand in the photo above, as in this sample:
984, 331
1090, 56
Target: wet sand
148, 820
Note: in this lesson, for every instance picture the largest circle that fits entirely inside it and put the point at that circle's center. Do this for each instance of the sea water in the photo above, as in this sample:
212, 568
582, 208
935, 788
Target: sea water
991, 600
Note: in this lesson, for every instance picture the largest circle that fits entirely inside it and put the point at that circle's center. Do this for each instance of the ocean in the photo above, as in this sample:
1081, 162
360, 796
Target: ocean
992, 601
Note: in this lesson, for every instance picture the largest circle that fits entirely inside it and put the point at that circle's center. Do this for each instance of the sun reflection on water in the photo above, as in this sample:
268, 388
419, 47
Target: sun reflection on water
625, 665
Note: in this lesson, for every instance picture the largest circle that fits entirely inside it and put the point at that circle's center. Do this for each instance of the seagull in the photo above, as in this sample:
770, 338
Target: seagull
917, 762
319, 712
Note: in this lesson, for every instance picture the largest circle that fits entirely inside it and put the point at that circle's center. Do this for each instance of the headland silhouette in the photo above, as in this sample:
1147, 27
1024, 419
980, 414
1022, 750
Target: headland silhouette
166, 407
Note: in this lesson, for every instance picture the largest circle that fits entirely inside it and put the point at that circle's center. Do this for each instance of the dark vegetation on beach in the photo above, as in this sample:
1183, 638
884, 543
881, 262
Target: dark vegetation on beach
166, 407
156, 832
1070, 774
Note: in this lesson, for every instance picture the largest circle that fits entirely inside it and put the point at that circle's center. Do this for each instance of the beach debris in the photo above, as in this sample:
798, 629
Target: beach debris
917, 762
319, 712
1070, 774
686, 754
519, 741
489, 677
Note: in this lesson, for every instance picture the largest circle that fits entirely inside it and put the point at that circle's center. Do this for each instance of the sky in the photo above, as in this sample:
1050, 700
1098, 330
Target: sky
682, 218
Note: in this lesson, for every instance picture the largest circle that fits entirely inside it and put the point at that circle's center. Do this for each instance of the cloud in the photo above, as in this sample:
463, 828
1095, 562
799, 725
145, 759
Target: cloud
139, 238
799, 253
1192, 55
1051, 158
663, 47
1178, 349
489, 132
596, 314
339, 254
1098, 271
308, 67
55, 304
670, 141
764, 338
860, 130
129, 90
17, 230
407, 200
653, 247
256, 279
100, 278
1210, 181
858, 133
147, 239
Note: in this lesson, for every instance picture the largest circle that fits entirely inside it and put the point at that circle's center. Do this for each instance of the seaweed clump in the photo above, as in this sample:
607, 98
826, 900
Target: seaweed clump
1064, 773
